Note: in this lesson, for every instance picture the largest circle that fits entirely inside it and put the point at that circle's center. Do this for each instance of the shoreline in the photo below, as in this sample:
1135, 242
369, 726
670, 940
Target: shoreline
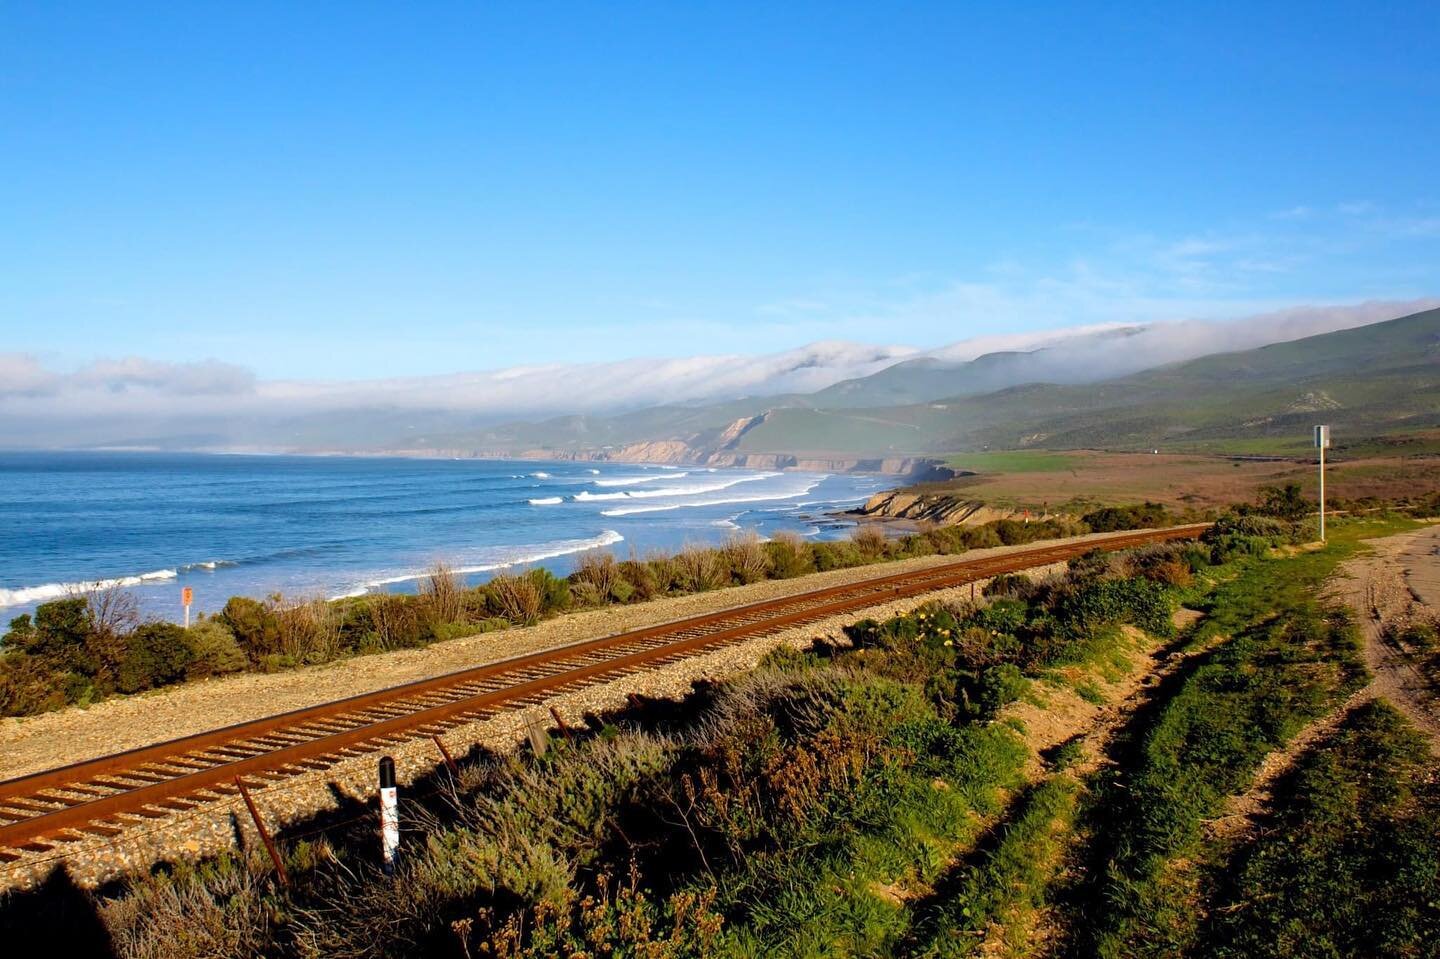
921, 462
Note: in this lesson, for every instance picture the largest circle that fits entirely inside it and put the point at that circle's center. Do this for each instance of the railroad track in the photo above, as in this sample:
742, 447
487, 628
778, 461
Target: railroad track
103, 797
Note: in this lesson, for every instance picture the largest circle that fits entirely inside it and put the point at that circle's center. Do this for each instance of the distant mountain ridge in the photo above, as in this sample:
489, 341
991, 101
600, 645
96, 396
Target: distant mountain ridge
1373, 379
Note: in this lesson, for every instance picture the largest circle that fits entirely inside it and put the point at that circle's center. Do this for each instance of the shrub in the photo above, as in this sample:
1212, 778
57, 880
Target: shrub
156, 654
746, 557
597, 578
517, 598
442, 593
870, 542
1284, 502
697, 569
60, 630
789, 555
639, 580
307, 631
980, 537
998, 687
214, 650
1110, 519
554, 592
836, 554
392, 621
1007, 584
28, 685
253, 625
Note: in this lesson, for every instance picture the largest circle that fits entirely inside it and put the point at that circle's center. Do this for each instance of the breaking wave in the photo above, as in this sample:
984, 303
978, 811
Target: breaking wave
635, 480
663, 507
696, 490
533, 554
25, 595
547, 501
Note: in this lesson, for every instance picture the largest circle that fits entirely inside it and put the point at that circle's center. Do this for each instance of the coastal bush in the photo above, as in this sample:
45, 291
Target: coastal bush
389, 621
442, 594
156, 654
870, 543
790, 555
516, 598
641, 581
253, 625
29, 685
698, 569
214, 651
306, 631
747, 559
1286, 503
1112, 519
1007, 584
978, 537
835, 554
597, 579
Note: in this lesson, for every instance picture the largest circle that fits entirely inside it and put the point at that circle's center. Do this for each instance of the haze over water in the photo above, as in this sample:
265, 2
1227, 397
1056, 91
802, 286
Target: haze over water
310, 526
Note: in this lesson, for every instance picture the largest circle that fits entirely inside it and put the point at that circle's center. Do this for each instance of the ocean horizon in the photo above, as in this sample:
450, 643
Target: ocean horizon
255, 524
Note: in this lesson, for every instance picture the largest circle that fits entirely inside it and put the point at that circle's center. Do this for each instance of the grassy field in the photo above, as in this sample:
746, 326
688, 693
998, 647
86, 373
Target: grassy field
1080, 480
1013, 461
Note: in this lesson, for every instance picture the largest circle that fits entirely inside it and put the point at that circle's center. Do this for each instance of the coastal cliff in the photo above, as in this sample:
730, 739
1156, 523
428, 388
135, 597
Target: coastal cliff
944, 509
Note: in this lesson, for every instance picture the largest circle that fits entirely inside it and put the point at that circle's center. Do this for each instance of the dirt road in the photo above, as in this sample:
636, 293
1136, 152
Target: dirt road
1398, 579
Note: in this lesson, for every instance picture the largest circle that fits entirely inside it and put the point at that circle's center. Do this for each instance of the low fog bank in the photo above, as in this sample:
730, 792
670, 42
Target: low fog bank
211, 404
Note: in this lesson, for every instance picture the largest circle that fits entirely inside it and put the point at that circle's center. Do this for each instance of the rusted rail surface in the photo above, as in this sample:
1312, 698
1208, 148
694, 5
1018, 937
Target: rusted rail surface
101, 797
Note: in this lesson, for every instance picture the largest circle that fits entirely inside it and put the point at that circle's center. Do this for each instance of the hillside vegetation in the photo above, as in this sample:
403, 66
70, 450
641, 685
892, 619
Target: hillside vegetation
880, 795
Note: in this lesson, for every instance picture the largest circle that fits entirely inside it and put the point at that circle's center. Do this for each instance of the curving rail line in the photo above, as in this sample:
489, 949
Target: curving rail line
101, 797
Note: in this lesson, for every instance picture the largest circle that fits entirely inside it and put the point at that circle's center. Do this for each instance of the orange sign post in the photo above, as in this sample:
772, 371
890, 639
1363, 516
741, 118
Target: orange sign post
187, 596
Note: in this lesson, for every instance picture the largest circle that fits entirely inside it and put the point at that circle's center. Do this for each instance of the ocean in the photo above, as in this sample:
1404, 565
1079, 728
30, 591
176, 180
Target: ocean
339, 526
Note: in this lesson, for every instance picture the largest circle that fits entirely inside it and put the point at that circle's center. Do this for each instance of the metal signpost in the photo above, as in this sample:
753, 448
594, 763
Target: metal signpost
1322, 442
187, 595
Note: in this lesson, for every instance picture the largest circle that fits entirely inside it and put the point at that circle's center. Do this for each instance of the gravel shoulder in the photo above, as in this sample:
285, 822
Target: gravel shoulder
34, 743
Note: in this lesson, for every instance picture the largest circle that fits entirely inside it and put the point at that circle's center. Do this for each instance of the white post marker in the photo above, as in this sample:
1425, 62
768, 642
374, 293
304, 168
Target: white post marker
389, 816
187, 596
1322, 442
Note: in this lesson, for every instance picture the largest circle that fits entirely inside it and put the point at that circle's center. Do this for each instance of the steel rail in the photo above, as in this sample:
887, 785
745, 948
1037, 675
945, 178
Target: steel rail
103, 795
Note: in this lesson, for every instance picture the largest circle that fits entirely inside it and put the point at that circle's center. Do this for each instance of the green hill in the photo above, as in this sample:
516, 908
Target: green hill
1368, 381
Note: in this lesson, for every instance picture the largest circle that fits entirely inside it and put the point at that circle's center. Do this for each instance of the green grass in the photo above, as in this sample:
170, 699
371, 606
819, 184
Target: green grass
1350, 863
998, 900
1249, 592
1013, 461
1280, 661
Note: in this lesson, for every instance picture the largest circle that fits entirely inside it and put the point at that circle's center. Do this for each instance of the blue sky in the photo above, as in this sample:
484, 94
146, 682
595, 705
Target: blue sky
356, 190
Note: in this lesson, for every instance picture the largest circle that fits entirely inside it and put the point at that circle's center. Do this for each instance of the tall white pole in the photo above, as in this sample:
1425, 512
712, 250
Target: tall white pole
1322, 493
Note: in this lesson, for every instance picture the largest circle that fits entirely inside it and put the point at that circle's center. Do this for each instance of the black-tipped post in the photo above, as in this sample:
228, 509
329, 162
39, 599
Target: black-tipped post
389, 816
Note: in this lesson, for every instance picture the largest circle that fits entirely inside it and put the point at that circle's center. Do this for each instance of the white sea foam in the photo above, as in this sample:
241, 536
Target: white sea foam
593, 472
547, 501
208, 564
25, 595
585, 496
540, 475
636, 480
530, 554
693, 490
662, 507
